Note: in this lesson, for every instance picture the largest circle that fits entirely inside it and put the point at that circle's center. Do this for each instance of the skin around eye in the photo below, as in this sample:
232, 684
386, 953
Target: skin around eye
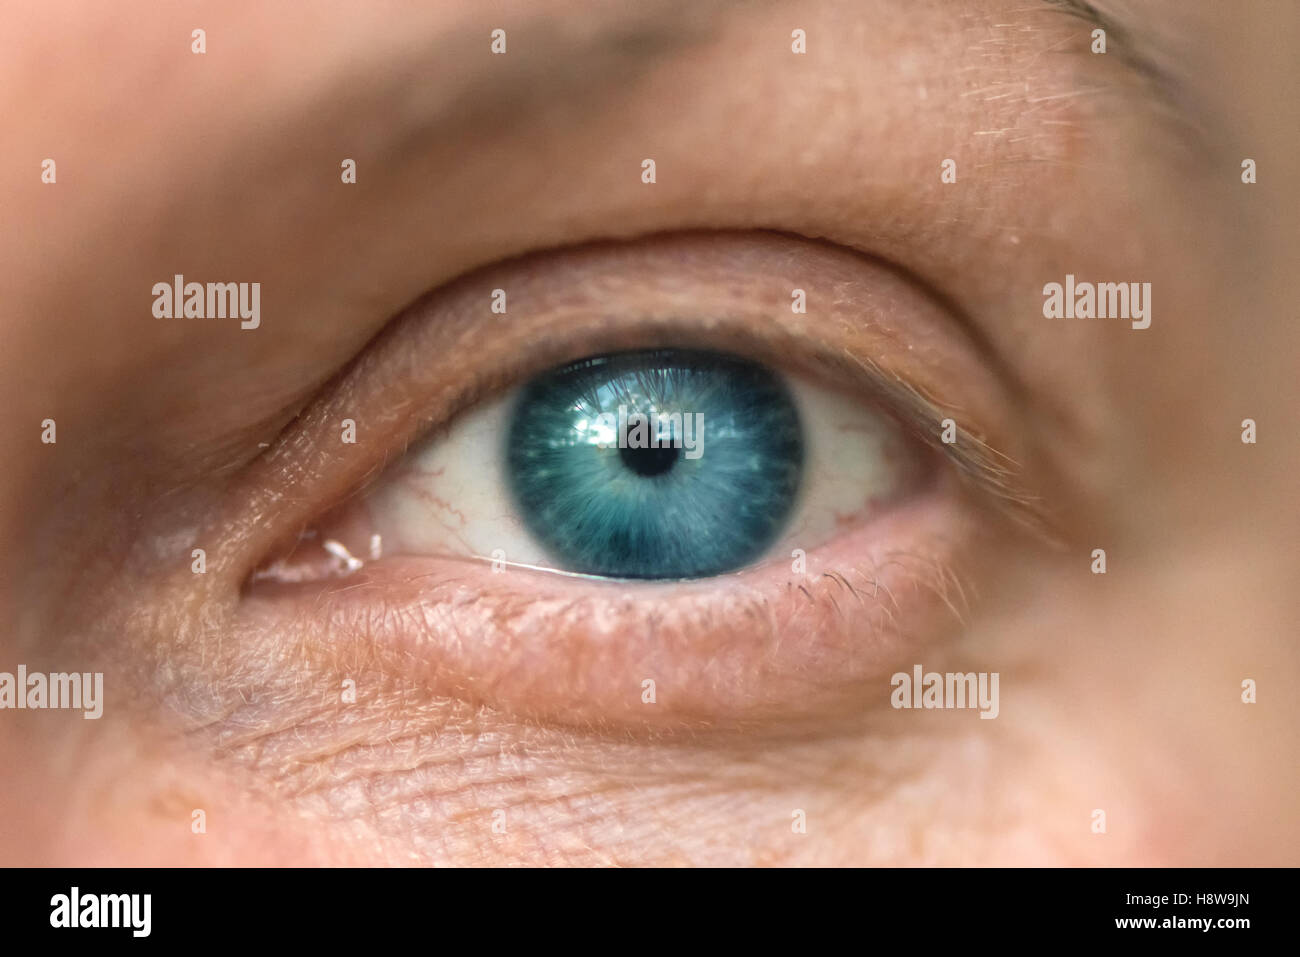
438, 570
433, 574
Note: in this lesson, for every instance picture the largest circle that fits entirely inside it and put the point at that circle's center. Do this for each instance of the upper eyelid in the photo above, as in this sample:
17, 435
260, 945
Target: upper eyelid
409, 381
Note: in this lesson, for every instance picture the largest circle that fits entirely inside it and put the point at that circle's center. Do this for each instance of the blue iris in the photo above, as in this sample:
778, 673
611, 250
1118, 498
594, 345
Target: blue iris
655, 464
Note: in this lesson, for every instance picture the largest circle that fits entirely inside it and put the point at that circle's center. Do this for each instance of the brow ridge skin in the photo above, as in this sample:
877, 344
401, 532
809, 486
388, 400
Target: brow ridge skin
550, 63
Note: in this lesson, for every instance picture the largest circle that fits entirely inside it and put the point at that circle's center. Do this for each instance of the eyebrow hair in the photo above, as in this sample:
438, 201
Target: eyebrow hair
561, 67
1141, 53
1084, 10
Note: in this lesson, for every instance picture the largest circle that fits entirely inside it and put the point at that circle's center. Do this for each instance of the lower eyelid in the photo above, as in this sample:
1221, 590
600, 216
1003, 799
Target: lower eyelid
764, 643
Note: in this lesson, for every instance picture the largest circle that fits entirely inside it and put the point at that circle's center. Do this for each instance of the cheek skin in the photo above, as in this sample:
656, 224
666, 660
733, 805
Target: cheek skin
404, 776
290, 774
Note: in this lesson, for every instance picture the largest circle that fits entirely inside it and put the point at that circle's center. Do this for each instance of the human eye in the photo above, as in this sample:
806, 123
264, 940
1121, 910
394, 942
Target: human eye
642, 465
651, 464
503, 528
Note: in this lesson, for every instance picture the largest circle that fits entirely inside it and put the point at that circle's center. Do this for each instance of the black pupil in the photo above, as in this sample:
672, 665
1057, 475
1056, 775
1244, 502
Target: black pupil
649, 461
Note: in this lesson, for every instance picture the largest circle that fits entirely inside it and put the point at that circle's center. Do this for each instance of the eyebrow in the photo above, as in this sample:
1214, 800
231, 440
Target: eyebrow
556, 67
1143, 54
1088, 12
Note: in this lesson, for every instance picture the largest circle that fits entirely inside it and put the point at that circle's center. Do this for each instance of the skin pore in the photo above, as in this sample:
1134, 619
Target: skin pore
774, 170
